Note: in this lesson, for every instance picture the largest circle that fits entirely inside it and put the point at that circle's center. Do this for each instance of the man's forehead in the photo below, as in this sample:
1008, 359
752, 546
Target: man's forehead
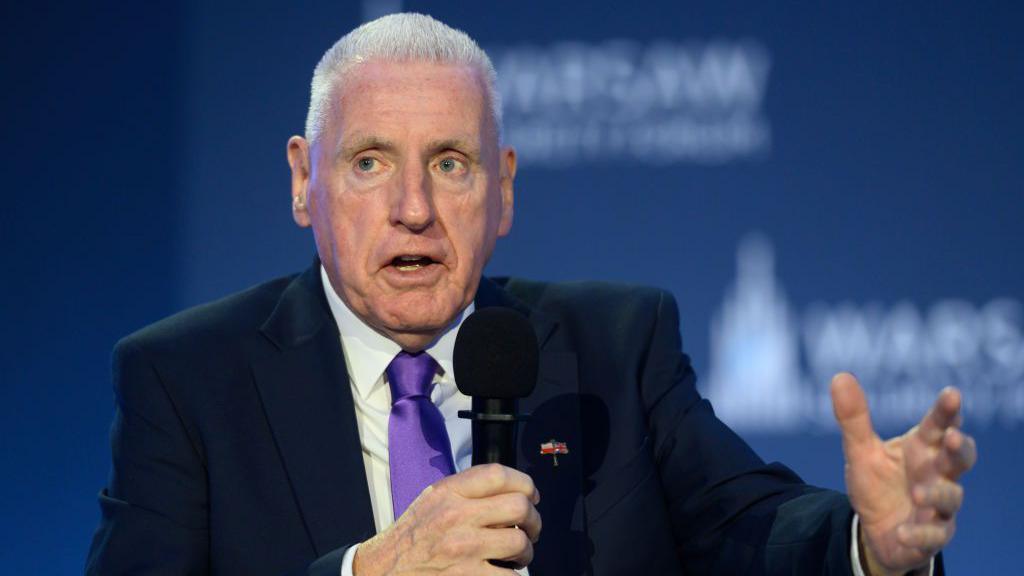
426, 86
381, 103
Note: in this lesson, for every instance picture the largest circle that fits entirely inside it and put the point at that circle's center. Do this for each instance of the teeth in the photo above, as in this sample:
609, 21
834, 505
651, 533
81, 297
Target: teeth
409, 263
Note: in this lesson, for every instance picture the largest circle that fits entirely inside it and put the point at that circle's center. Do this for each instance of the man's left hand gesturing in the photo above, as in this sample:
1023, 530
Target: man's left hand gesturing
905, 489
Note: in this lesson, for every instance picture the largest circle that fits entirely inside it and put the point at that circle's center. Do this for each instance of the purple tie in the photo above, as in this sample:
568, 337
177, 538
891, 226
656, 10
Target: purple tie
418, 446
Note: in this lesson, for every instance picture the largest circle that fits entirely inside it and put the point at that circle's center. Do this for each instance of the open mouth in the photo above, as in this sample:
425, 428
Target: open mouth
411, 263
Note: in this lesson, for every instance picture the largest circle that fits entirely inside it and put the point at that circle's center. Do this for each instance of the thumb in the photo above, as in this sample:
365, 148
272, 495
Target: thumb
851, 410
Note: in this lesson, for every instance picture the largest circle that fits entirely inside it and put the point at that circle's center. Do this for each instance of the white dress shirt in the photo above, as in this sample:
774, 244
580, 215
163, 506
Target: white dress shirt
367, 355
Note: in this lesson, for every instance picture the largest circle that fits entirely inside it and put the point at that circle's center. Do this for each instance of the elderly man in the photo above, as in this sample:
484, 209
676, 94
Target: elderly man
308, 425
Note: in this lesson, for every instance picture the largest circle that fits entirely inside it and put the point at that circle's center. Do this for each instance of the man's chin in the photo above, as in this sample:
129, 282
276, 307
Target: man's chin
414, 335
420, 315
421, 324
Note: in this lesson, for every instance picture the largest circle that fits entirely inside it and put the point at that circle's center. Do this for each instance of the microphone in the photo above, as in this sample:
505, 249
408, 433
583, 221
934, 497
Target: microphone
495, 358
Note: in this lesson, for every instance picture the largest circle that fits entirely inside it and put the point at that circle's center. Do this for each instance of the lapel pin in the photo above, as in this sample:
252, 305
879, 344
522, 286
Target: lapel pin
554, 448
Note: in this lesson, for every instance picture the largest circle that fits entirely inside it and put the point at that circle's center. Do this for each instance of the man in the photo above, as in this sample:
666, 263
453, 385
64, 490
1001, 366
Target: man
308, 425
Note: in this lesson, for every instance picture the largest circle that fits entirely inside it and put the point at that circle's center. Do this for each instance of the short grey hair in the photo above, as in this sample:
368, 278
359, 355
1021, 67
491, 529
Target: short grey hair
397, 38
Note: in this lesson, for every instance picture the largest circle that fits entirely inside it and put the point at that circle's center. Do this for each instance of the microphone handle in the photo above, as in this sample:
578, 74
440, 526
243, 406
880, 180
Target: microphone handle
494, 431
494, 439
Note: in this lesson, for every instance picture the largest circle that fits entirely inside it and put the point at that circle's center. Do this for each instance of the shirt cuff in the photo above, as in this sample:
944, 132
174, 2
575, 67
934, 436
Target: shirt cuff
855, 554
350, 555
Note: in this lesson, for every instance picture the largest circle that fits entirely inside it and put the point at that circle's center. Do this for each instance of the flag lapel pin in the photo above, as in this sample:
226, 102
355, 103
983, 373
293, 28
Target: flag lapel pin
554, 448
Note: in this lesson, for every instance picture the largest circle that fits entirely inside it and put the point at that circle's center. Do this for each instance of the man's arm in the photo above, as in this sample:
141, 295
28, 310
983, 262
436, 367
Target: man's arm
154, 506
154, 516
731, 512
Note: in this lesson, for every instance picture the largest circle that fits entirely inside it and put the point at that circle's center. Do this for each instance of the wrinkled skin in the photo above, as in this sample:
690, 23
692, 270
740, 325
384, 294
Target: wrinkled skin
904, 489
407, 164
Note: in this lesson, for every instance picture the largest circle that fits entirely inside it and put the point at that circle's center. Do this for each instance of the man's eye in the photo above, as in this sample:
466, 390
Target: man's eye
366, 164
449, 165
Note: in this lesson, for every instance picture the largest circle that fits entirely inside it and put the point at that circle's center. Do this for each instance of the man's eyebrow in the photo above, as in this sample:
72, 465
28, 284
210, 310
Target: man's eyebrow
360, 143
462, 145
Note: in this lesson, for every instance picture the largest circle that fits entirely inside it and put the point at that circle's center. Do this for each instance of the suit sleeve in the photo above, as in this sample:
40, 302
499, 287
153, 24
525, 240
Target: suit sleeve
731, 512
154, 510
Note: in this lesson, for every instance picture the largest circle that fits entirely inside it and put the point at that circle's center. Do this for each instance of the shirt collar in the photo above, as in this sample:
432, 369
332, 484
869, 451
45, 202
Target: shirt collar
368, 352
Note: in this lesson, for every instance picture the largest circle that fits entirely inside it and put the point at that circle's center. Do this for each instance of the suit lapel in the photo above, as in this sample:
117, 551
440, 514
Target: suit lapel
304, 387
554, 409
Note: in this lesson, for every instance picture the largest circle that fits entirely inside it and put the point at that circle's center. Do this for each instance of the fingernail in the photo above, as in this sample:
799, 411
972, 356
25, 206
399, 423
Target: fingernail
953, 438
903, 532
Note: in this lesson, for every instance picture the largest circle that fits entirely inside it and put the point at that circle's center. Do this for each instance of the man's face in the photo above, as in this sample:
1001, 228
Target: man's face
407, 192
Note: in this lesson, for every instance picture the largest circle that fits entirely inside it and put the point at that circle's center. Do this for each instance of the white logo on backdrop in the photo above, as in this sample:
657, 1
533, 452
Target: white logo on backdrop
661, 102
770, 365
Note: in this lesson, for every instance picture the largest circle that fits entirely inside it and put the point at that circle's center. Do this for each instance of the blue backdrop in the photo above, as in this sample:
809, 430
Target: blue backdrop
822, 187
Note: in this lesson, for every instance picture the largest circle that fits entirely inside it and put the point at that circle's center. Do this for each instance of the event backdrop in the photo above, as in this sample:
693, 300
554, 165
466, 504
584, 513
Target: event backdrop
823, 187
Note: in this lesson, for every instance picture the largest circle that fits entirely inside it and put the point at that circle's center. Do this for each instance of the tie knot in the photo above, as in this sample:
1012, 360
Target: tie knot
410, 375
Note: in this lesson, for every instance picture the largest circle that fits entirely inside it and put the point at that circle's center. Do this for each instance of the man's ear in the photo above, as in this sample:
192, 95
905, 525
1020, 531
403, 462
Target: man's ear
299, 161
506, 179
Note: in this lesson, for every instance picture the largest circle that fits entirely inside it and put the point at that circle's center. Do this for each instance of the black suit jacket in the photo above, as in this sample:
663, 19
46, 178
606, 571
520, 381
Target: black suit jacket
235, 449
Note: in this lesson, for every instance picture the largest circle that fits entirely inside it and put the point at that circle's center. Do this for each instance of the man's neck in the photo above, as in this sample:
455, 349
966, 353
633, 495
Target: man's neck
368, 352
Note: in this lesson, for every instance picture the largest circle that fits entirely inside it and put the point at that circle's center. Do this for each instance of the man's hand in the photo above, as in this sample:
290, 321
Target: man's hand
904, 489
457, 524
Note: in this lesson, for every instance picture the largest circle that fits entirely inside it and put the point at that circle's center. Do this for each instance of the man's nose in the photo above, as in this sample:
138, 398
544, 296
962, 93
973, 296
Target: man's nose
413, 203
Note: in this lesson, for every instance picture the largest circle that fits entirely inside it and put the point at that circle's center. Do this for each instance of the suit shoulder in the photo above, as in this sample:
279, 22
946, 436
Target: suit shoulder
590, 297
608, 311
217, 323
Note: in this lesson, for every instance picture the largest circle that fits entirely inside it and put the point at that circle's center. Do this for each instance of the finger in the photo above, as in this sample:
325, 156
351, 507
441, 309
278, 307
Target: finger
851, 410
512, 509
491, 479
508, 544
958, 454
943, 414
929, 538
944, 496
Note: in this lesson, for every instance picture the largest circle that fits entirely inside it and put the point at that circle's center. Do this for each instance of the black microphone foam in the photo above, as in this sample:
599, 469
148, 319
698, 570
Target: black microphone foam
496, 355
